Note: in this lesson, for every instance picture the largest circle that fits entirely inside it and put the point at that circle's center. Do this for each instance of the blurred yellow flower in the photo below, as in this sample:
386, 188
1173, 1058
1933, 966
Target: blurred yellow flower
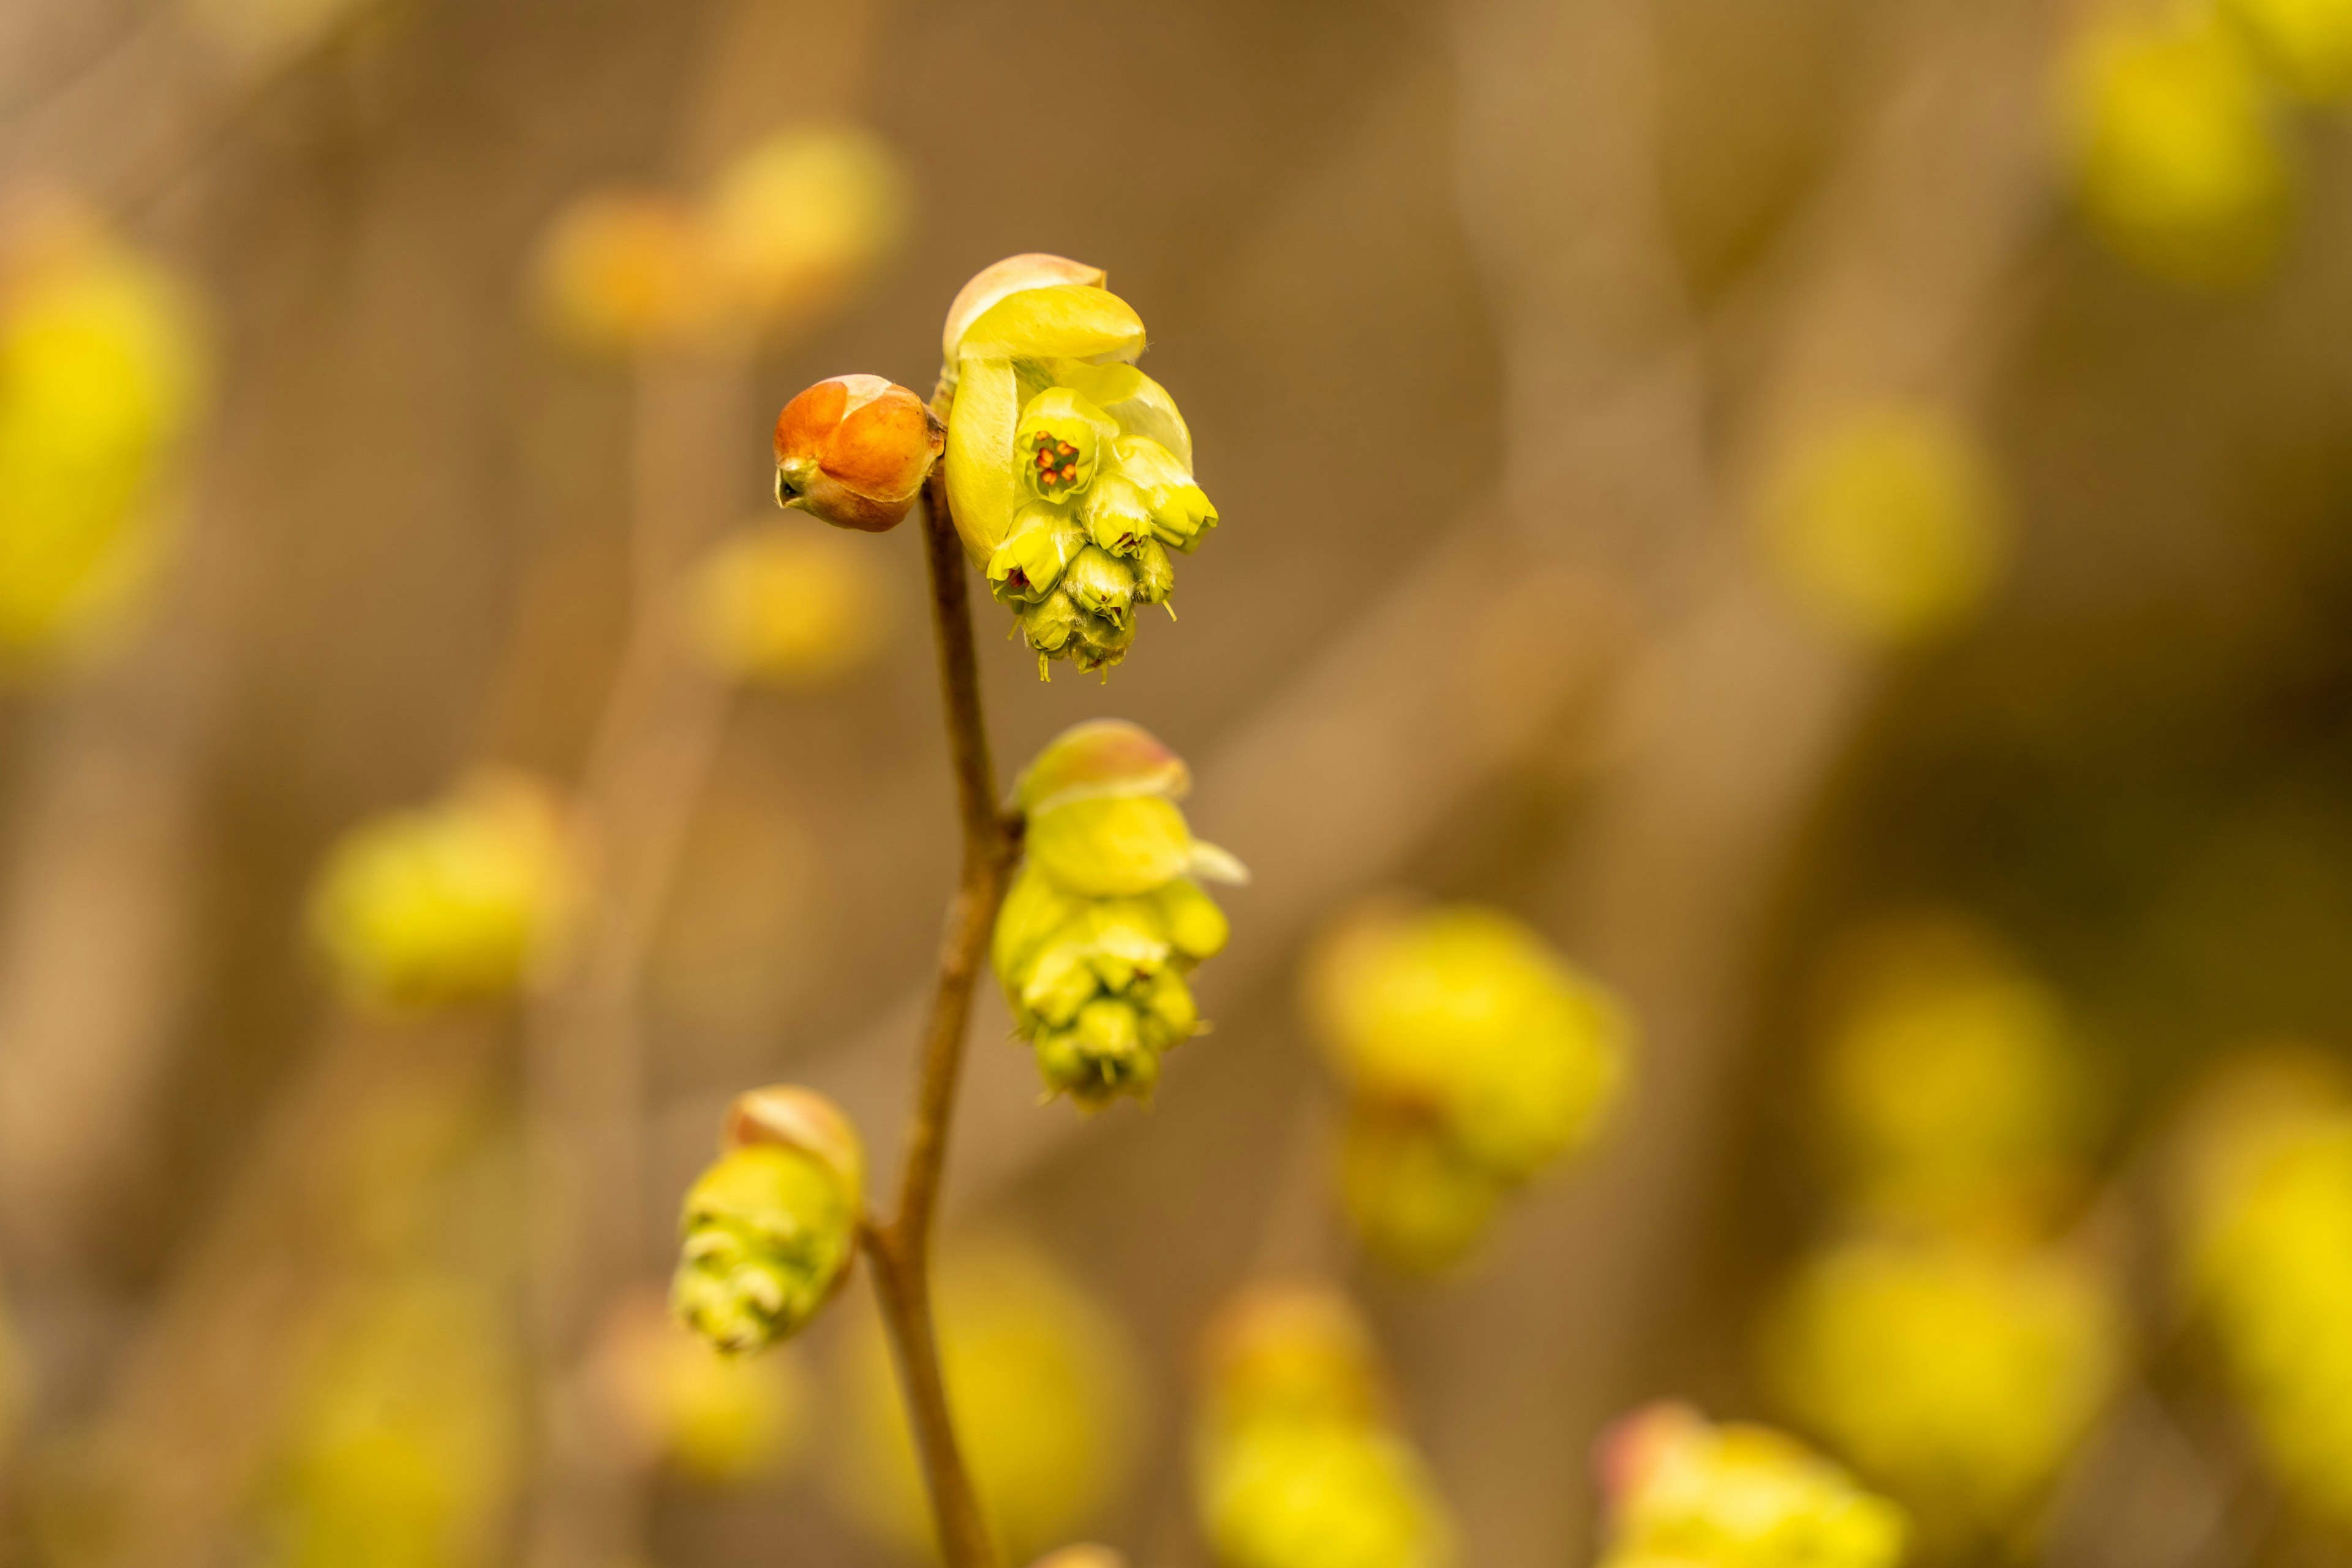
2306, 44
802, 217
719, 1419
404, 1444
1046, 1399
1884, 522
1476, 1056
102, 374
1959, 1376
1297, 1463
789, 604
455, 902
621, 271
1680, 1492
2175, 147
2266, 1218
1951, 1081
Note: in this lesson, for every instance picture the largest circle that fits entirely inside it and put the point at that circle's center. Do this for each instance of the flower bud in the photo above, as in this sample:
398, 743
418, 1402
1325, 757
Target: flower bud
854, 450
769, 1231
1118, 516
1043, 542
1060, 443
1680, 1492
788, 605
1961, 1377
1155, 574
1101, 586
457, 902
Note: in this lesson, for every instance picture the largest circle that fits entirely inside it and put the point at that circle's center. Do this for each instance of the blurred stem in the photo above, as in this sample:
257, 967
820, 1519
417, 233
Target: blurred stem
901, 1247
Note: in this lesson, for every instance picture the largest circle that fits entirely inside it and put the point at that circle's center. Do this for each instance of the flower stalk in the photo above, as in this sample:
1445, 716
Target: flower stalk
899, 1247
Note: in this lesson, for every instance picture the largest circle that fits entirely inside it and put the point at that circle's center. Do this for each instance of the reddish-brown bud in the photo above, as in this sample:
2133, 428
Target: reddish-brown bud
855, 451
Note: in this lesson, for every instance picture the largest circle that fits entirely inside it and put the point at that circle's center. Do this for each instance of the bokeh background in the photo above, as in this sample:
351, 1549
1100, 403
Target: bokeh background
1834, 513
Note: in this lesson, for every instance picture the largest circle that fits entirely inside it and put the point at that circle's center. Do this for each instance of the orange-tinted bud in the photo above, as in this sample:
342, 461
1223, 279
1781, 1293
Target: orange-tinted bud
855, 451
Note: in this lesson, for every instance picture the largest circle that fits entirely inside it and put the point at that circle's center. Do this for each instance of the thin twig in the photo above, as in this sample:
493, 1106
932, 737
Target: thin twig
901, 1247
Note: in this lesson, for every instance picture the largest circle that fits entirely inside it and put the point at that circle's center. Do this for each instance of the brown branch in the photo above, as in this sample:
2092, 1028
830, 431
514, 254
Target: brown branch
901, 1247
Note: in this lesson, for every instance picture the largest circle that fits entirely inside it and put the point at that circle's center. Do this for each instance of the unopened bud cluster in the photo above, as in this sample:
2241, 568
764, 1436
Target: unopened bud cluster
1106, 916
1299, 1463
2264, 1202
1473, 1056
1069, 470
1680, 1493
769, 1229
463, 900
855, 451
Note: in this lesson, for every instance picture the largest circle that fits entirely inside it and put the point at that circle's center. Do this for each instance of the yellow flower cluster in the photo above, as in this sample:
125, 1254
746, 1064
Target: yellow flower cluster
1044, 1384
460, 901
1298, 1462
1954, 1091
1473, 1056
1105, 918
101, 374
1947, 1345
1683, 1493
450, 903
784, 234
1960, 1374
788, 605
2265, 1200
2176, 129
404, 1440
1884, 522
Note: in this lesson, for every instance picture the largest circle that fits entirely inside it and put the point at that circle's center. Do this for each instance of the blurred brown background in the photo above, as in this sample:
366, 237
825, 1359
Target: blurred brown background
1488, 317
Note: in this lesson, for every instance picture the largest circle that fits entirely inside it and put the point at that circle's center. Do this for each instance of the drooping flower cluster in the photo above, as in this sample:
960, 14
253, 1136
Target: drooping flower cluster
1298, 1460
1683, 1493
1070, 471
101, 376
1474, 1056
459, 901
2264, 1201
1948, 1339
1105, 918
1044, 1382
769, 1231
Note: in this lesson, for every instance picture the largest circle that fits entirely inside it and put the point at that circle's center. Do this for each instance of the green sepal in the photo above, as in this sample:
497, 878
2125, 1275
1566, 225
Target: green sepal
1111, 847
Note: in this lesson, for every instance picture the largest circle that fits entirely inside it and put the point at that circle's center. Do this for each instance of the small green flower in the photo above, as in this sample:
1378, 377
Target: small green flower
1060, 443
1043, 542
